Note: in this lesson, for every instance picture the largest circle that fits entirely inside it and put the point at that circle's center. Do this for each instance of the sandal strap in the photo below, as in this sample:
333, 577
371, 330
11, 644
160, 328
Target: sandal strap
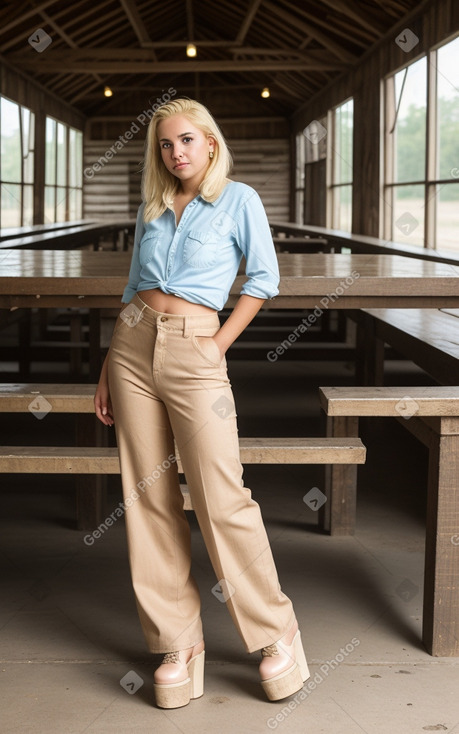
171, 657
269, 651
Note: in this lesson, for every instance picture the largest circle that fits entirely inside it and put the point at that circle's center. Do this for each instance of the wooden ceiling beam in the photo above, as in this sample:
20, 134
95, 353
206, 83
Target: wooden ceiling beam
138, 26
248, 19
310, 30
161, 67
323, 23
29, 14
346, 9
64, 37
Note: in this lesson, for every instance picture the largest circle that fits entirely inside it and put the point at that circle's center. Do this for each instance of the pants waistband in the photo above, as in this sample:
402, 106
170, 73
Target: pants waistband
183, 323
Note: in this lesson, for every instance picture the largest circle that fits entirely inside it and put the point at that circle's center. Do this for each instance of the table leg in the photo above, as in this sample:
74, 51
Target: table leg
95, 362
440, 629
91, 489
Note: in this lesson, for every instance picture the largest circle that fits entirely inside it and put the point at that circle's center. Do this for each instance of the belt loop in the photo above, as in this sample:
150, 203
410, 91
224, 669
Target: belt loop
186, 325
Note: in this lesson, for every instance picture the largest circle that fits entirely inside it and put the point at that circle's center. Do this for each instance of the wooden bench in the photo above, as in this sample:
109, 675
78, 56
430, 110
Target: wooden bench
92, 460
432, 415
427, 336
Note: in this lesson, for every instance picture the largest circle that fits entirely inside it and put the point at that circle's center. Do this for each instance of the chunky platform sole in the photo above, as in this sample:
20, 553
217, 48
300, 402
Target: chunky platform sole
290, 680
174, 695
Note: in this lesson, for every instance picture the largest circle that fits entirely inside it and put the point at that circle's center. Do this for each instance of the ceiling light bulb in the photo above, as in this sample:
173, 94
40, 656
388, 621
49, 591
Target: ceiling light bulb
108, 92
265, 93
191, 50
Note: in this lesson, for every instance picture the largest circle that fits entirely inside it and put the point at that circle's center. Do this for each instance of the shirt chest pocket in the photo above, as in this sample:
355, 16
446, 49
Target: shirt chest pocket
148, 245
200, 250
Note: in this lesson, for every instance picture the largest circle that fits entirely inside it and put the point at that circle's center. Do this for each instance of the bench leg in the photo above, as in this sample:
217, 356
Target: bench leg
440, 629
337, 514
91, 489
95, 363
369, 368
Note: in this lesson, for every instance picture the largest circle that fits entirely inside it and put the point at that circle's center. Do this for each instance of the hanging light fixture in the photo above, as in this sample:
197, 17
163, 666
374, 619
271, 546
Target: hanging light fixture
108, 92
265, 93
191, 50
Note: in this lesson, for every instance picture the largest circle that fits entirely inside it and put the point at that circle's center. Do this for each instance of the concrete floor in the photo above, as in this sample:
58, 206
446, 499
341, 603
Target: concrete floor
69, 631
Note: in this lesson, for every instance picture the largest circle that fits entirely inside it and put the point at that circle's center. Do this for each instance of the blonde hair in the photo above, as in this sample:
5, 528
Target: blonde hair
159, 186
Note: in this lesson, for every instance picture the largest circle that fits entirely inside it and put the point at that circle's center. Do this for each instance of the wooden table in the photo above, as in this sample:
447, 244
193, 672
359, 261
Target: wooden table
56, 279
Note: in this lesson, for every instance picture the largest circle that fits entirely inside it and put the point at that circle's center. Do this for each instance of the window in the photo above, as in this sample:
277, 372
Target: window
340, 177
63, 172
421, 174
17, 125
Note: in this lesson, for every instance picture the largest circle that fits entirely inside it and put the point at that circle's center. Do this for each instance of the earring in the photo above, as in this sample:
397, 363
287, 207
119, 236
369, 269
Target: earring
211, 153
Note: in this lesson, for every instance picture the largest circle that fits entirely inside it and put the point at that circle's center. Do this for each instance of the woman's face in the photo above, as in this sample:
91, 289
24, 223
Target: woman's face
184, 149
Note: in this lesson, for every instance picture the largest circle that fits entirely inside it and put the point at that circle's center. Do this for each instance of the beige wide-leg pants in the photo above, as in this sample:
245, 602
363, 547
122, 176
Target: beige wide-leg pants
166, 380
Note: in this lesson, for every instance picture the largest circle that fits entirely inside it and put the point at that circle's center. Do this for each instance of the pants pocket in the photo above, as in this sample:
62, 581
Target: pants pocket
207, 348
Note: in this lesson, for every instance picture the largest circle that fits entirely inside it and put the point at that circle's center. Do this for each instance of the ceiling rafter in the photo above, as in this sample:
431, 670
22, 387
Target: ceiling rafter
247, 22
324, 23
29, 14
64, 36
322, 38
132, 12
347, 10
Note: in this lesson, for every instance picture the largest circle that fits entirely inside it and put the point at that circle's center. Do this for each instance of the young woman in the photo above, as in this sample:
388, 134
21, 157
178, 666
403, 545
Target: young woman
165, 378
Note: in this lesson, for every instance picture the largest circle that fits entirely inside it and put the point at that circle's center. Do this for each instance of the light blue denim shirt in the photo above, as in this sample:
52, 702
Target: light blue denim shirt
199, 259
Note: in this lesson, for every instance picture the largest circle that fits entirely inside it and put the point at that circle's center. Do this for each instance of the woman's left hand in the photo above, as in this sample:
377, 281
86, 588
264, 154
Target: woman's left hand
221, 349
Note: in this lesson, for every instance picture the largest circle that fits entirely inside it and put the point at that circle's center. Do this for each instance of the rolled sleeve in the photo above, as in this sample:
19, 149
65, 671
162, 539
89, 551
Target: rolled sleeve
255, 241
134, 271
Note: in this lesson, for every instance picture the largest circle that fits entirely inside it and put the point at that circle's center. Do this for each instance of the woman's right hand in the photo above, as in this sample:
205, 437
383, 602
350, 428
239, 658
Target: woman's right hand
102, 403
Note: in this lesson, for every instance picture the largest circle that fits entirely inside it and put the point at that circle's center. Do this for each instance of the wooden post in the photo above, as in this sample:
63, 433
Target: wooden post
440, 628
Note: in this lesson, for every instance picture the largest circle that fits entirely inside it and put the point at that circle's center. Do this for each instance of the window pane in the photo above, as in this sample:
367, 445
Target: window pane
10, 159
342, 151
448, 108
11, 205
408, 215
50, 166
61, 155
49, 203
28, 134
27, 216
60, 205
448, 217
410, 127
342, 213
75, 157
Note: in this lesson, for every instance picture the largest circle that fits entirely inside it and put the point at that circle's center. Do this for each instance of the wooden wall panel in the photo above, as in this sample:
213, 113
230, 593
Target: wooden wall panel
114, 190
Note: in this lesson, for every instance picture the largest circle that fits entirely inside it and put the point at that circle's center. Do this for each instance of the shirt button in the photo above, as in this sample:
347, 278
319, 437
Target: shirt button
163, 318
